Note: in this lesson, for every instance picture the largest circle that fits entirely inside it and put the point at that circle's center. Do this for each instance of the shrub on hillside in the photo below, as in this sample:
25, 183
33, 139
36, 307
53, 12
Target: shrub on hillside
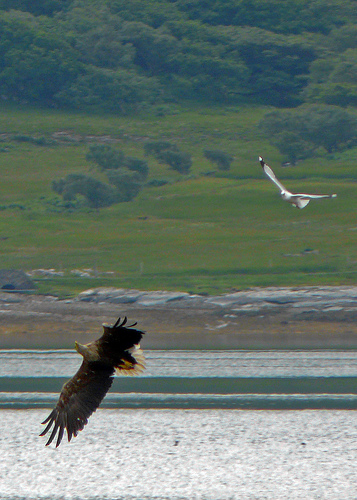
169, 153
178, 160
299, 134
105, 157
138, 166
220, 158
156, 147
127, 183
97, 194
108, 158
126, 176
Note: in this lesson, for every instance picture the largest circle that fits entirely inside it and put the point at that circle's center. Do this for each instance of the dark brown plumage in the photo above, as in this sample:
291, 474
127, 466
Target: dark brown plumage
117, 350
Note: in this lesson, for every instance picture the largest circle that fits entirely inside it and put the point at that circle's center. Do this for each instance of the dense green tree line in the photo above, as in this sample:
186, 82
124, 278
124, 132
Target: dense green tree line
118, 55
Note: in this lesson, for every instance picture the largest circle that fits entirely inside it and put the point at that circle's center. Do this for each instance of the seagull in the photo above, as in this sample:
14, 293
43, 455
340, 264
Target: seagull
298, 200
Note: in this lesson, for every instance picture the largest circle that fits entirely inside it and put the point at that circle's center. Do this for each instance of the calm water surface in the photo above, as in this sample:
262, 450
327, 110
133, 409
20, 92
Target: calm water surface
233, 363
194, 379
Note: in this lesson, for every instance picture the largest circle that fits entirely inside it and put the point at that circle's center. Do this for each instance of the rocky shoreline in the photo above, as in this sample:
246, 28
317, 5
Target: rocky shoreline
273, 317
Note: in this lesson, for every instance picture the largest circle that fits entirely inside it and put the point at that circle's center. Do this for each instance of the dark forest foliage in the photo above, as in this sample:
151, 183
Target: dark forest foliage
119, 56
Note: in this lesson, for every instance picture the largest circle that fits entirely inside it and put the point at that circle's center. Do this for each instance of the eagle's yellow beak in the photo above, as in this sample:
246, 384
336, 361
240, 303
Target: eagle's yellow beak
80, 348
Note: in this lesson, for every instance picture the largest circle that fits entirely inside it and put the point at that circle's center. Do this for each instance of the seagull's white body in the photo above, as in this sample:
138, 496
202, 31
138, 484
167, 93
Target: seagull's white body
298, 200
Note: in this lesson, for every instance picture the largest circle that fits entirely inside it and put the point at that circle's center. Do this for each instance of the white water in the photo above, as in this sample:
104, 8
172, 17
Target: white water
183, 454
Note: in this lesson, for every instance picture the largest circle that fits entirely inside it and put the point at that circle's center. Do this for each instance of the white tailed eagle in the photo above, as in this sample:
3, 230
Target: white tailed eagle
116, 351
299, 200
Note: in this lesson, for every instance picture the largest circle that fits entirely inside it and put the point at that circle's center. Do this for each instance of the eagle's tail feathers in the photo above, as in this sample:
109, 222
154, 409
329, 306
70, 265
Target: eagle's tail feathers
134, 366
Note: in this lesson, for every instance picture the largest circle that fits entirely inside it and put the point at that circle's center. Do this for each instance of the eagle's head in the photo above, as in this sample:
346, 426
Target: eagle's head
88, 351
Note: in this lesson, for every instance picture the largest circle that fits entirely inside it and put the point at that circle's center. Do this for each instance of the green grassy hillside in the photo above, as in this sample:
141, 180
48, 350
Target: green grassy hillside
199, 233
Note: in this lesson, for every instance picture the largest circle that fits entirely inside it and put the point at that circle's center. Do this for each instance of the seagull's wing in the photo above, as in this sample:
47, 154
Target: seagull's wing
268, 171
300, 200
314, 196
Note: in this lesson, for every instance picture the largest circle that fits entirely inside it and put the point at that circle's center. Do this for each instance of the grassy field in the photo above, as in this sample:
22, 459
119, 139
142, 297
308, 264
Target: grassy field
197, 233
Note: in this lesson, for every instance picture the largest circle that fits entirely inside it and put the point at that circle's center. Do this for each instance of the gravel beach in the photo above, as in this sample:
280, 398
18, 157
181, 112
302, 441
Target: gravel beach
261, 318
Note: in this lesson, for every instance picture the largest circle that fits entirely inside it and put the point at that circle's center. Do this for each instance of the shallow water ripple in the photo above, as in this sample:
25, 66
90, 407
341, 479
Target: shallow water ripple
183, 454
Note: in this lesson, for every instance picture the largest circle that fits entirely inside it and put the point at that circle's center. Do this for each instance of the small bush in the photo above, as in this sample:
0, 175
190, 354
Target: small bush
178, 160
97, 194
137, 165
156, 147
169, 153
39, 141
220, 158
157, 182
108, 158
105, 157
127, 182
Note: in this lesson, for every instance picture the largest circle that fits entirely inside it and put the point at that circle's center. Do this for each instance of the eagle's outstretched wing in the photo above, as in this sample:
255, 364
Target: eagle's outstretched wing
268, 171
116, 350
79, 398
